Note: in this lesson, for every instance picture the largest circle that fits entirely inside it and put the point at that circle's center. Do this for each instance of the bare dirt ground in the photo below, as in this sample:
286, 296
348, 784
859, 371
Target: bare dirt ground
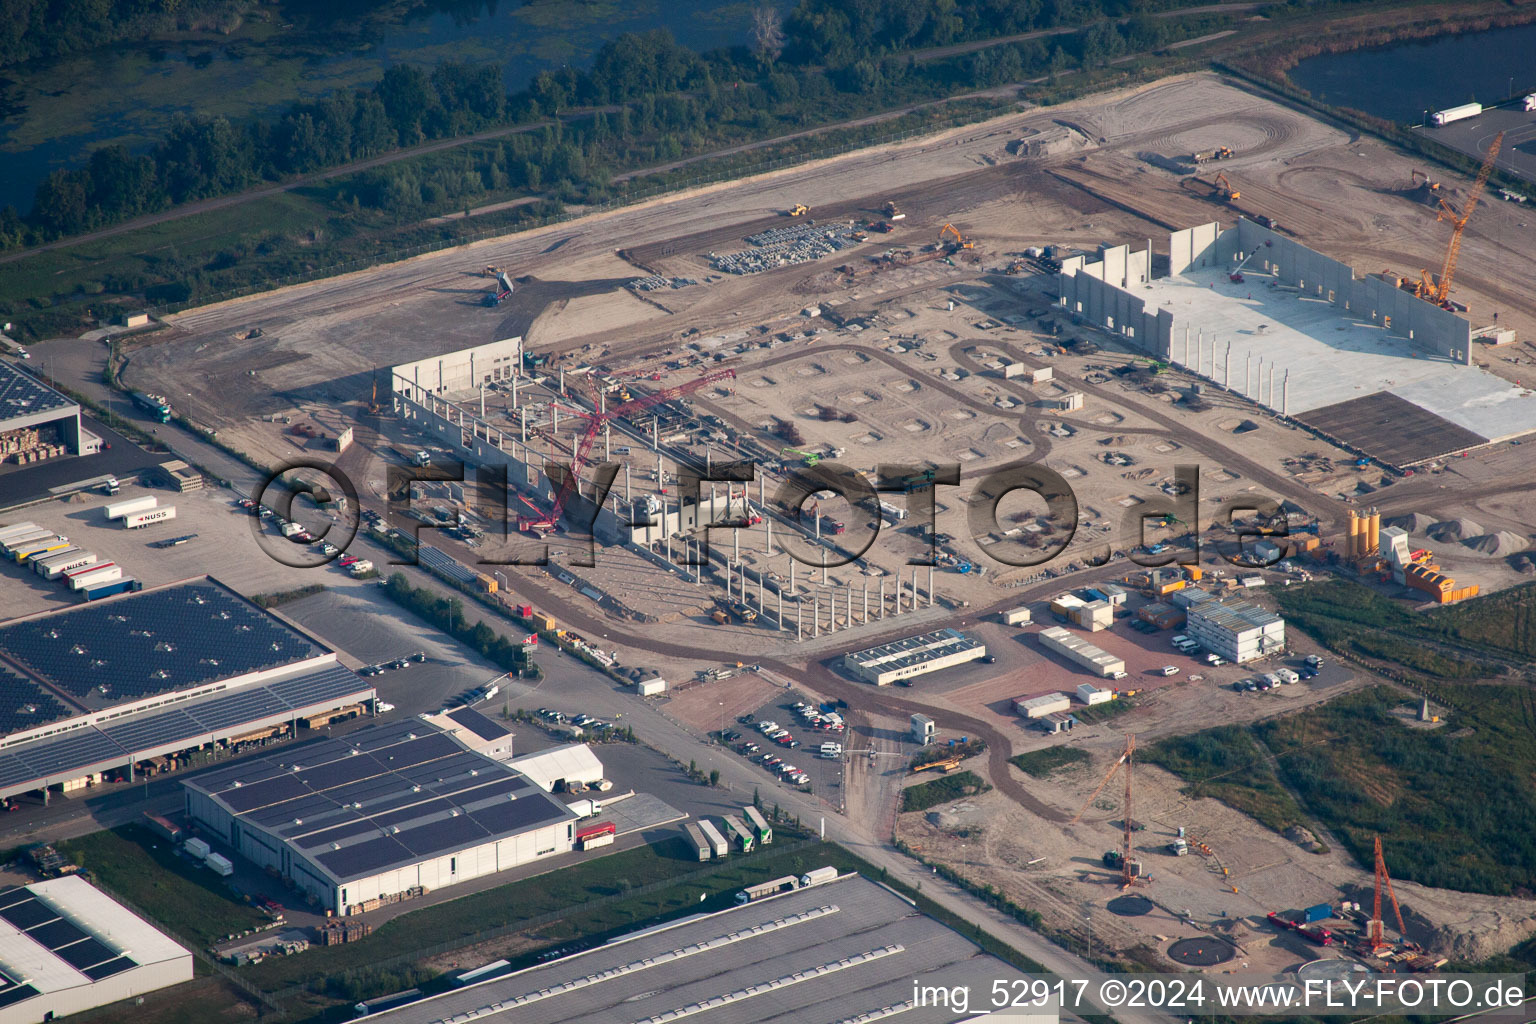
1059, 871
918, 371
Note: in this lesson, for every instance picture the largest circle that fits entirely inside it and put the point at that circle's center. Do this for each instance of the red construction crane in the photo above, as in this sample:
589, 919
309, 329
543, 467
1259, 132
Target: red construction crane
1127, 878
545, 524
1374, 936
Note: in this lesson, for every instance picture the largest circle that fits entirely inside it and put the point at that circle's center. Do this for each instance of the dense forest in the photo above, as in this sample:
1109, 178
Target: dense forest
644, 97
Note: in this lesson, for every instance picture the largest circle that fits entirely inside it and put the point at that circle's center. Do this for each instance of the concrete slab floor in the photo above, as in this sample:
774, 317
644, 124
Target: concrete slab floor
1329, 358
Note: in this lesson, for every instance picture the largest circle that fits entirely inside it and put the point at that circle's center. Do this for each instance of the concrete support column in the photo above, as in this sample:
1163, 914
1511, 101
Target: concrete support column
930, 568
799, 632
780, 617
882, 597
865, 617
816, 616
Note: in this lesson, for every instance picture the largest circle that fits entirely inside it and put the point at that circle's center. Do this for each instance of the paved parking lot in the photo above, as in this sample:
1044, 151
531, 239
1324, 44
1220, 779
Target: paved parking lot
826, 776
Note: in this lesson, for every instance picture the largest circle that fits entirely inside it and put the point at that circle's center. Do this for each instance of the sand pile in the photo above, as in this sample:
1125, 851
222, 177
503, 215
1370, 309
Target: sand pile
1414, 522
1498, 545
1456, 529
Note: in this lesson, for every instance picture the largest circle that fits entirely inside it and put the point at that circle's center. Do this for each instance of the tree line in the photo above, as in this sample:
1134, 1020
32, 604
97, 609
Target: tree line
644, 97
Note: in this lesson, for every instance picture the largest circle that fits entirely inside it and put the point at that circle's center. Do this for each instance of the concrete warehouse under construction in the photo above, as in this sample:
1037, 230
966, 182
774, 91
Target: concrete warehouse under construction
1261, 315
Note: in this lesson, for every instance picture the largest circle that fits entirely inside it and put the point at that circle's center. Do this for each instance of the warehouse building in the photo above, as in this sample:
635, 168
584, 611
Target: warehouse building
465, 370
66, 947
380, 815
845, 950
123, 685
914, 656
1041, 705
1238, 631
1081, 653
37, 422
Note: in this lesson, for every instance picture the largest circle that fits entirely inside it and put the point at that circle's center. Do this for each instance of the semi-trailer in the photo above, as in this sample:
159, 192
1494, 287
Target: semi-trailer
71, 574
82, 578
43, 546
118, 509
1441, 118
111, 587
745, 840
759, 824
17, 530
23, 539
156, 405
716, 840
772, 887
134, 520
40, 563
701, 846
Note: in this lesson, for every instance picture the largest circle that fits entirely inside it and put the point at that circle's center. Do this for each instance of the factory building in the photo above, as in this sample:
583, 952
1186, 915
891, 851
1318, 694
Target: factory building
67, 947
845, 950
380, 815
37, 422
1080, 652
914, 656
128, 684
465, 370
1238, 631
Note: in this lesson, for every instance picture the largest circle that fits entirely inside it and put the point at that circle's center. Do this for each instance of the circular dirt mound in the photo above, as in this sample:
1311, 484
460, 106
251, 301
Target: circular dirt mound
1202, 952
1130, 906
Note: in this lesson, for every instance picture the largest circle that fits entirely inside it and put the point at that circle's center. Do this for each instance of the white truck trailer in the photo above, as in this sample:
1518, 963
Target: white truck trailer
118, 509
1441, 118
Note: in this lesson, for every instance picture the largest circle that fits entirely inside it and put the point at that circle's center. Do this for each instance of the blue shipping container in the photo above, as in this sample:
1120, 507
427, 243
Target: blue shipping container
1320, 912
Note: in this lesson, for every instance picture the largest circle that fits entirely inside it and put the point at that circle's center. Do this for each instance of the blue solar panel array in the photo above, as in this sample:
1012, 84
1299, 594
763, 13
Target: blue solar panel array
154, 642
25, 705
42, 924
381, 797
89, 748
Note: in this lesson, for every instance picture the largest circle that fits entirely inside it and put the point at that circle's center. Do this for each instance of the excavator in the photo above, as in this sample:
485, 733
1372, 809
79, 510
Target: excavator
960, 242
1225, 191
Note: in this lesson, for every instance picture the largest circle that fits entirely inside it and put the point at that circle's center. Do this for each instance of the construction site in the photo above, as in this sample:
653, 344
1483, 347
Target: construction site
650, 406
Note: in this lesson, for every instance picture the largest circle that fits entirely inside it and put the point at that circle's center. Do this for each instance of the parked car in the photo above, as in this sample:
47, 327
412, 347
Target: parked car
1168, 670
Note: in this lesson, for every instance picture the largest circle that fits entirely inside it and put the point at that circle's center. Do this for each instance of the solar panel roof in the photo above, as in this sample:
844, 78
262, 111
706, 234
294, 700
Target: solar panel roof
153, 642
381, 797
22, 394
480, 725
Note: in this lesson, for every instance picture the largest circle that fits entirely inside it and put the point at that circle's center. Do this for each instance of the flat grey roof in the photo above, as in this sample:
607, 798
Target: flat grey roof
1332, 358
381, 798
824, 954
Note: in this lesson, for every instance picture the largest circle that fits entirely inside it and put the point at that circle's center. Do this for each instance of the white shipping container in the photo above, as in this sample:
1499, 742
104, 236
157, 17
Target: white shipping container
1461, 113
197, 848
118, 509
83, 578
651, 687
134, 520
221, 865
895, 512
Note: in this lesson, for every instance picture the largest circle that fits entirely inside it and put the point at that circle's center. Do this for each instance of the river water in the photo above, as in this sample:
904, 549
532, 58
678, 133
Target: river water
1402, 81
52, 116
